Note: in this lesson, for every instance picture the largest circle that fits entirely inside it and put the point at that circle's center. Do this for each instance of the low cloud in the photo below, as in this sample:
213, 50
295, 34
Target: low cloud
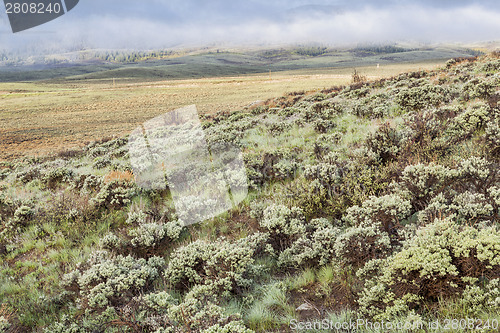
189, 23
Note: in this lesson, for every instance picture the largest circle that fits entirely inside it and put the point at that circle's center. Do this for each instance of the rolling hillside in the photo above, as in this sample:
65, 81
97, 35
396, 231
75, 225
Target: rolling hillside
377, 200
203, 64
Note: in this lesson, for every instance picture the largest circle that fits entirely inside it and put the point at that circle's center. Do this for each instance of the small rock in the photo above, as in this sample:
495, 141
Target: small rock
305, 307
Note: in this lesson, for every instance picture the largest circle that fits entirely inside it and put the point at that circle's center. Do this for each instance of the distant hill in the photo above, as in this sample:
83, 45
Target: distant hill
160, 65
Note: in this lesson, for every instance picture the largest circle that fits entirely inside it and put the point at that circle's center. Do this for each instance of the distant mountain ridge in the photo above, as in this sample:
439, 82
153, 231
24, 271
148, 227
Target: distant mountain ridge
212, 62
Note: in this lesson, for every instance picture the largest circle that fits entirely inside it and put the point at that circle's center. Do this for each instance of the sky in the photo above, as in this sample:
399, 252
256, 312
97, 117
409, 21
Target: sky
153, 24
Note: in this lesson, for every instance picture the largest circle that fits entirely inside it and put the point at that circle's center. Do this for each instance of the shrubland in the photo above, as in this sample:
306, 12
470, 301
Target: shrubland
377, 200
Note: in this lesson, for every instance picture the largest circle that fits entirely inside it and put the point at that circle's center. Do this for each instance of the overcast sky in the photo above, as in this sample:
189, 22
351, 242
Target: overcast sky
147, 24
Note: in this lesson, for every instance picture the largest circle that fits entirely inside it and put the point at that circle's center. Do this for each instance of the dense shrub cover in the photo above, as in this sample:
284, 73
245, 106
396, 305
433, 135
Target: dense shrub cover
376, 200
439, 262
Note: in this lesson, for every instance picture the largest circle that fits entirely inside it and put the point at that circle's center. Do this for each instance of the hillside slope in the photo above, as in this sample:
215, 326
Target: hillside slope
377, 201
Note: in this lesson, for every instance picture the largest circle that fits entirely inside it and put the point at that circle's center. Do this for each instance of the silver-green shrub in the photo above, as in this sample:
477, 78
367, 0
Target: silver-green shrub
358, 245
111, 242
479, 298
494, 193
385, 212
53, 177
437, 263
329, 175
312, 249
421, 96
223, 266
114, 194
280, 219
283, 224
199, 312
474, 118
471, 206
385, 143
101, 162
474, 168
150, 235
479, 88
137, 217
104, 280
422, 182
91, 184
492, 136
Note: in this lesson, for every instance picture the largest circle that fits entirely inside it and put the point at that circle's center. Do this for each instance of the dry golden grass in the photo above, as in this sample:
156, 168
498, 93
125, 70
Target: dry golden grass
43, 118
126, 176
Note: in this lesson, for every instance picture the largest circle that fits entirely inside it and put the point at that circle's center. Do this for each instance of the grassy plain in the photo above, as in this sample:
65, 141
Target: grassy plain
41, 117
